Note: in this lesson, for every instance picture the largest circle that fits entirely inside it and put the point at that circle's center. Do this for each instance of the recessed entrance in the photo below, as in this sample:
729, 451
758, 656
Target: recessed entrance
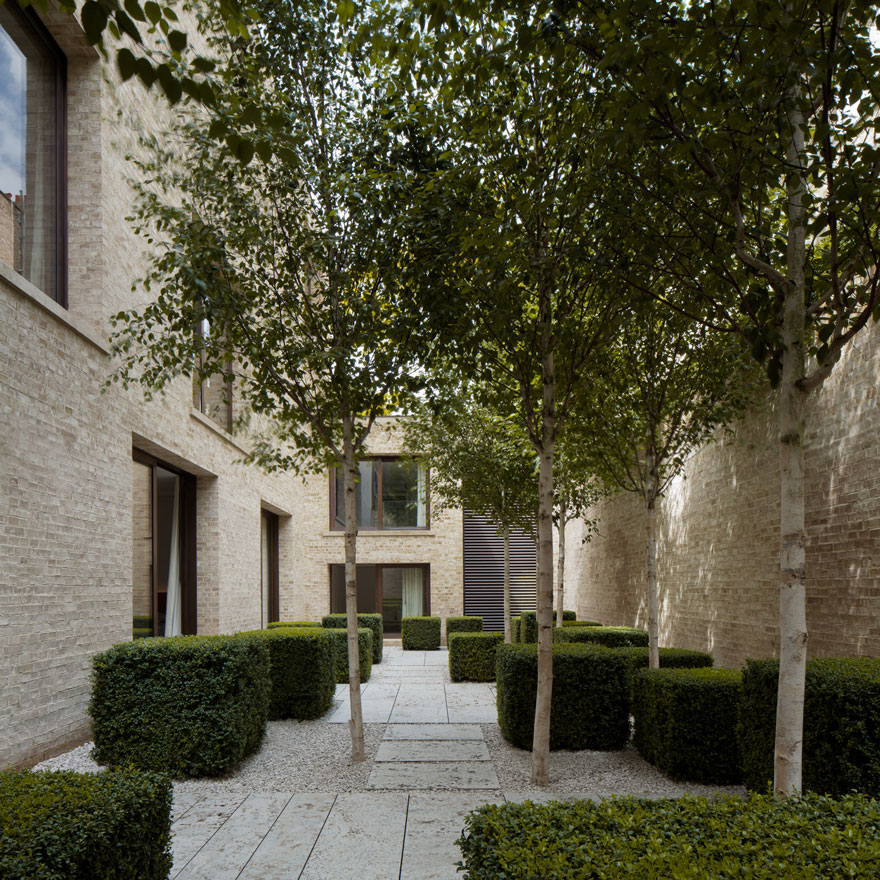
394, 591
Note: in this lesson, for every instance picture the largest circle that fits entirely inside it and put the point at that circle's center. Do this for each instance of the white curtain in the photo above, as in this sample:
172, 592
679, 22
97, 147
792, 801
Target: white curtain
173, 606
412, 592
422, 507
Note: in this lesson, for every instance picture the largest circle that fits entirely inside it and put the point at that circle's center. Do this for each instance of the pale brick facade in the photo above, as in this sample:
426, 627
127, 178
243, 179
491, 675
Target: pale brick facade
719, 533
66, 499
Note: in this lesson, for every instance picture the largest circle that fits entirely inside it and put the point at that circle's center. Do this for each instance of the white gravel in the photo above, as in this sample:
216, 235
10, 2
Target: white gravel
315, 756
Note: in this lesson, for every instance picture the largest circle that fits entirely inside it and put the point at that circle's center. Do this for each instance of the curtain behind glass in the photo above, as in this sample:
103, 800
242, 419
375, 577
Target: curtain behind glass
174, 606
412, 592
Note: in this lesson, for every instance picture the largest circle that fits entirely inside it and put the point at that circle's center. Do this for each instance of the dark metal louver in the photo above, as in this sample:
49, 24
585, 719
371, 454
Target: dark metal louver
484, 571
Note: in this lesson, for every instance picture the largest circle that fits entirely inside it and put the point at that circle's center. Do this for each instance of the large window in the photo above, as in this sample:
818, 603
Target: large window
391, 494
394, 591
32, 152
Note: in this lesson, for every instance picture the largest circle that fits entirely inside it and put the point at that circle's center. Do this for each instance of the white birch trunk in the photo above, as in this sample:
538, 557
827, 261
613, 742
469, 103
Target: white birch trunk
653, 603
792, 553
543, 701
507, 633
356, 723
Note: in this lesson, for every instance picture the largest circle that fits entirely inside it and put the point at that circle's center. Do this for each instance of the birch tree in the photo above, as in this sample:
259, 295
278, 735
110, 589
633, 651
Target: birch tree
293, 264
478, 460
766, 115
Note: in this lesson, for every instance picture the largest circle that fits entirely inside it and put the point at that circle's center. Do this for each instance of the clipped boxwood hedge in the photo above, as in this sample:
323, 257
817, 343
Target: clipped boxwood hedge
688, 838
609, 636
516, 630
464, 624
528, 628
186, 706
685, 722
472, 655
670, 658
567, 616
339, 638
580, 622
80, 826
420, 633
286, 624
303, 671
841, 724
372, 622
590, 707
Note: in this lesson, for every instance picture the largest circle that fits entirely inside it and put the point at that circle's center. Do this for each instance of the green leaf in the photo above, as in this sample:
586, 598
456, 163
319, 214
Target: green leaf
133, 8
127, 64
177, 40
94, 21
153, 11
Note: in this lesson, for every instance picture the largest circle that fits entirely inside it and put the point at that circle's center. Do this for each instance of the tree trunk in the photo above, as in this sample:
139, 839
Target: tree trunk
792, 416
506, 535
356, 723
653, 603
543, 701
560, 564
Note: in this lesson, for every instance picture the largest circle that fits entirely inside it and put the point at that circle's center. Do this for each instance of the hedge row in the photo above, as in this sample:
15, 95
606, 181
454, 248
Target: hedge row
372, 622
590, 708
841, 750
79, 826
186, 706
339, 639
467, 623
420, 633
528, 630
609, 636
688, 838
286, 624
670, 658
685, 722
472, 655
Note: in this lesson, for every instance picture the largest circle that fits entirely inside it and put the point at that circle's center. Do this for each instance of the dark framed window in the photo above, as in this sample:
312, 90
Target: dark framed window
33, 152
163, 549
392, 493
269, 568
395, 591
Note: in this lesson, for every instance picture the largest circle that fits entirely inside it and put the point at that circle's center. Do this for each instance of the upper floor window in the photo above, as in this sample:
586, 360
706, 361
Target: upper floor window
391, 494
212, 395
32, 152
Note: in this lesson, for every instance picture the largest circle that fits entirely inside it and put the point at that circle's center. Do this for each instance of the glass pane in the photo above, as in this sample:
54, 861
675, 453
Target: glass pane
403, 495
265, 567
366, 589
28, 151
168, 597
402, 592
142, 549
366, 493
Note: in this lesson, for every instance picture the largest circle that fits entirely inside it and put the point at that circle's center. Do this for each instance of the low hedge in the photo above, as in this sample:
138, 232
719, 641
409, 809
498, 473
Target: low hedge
420, 633
609, 636
372, 622
516, 630
286, 624
465, 624
685, 722
688, 838
303, 671
339, 638
590, 708
580, 622
841, 751
670, 658
186, 706
472, 655
528, 628
80, 826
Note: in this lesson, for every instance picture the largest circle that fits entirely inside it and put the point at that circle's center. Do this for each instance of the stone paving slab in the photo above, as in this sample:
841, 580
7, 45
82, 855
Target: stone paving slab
404, 658
433, 824
289, 842
473, 703
437, 658
445, 774
361, 840
434, 731
420, 703
233, 844
427, 750
374, 711
198, 826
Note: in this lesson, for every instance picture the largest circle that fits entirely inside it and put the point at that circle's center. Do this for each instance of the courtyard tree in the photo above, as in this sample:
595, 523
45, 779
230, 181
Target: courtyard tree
669, 385
293, 266
479, 460
763, 119
518, 248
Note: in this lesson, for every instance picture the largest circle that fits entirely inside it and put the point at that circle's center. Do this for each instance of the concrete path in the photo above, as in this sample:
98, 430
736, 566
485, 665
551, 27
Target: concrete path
432, 768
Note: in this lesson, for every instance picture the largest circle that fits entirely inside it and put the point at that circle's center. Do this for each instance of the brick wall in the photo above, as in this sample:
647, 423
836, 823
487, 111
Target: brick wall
719, 533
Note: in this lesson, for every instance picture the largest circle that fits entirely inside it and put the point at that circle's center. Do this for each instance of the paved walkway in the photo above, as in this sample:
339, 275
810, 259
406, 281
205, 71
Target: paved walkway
405, 829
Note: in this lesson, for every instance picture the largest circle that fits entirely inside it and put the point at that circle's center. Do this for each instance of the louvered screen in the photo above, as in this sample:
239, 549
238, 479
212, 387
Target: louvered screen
484, 572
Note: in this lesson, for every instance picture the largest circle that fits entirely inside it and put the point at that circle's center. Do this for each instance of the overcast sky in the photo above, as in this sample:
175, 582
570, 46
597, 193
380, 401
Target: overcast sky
12, 107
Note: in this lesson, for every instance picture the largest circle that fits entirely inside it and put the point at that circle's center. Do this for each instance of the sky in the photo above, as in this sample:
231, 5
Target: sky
12, 109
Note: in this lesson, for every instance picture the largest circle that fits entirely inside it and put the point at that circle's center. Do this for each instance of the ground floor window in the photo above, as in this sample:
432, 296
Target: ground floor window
394, 591
163, 549
269, 567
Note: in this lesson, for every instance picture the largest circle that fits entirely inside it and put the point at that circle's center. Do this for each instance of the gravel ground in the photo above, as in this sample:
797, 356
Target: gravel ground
314, 756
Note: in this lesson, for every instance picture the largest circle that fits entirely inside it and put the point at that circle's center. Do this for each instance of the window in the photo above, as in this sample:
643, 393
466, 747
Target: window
212, 395
390, 494
394, 591
269, 568
32, 152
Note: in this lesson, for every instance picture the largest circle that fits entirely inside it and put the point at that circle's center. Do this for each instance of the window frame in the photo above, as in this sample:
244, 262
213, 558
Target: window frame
380, 528
272, 521
29, 18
